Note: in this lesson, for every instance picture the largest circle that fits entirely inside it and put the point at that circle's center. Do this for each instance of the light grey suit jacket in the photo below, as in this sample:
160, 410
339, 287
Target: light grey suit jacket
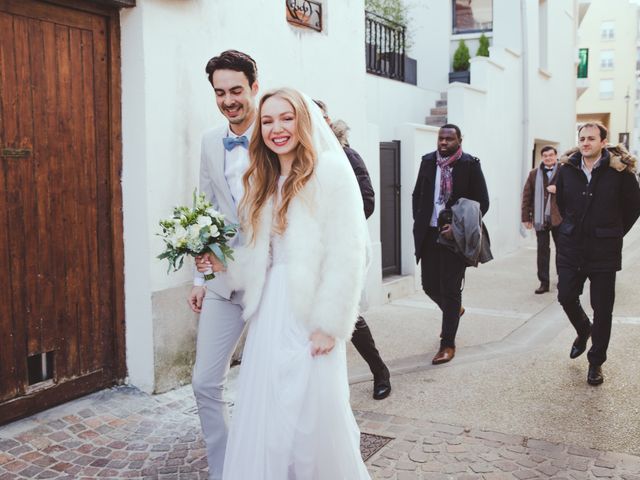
213, 184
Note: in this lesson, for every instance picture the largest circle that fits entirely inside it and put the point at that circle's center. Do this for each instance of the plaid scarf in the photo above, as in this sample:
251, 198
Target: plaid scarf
446, 174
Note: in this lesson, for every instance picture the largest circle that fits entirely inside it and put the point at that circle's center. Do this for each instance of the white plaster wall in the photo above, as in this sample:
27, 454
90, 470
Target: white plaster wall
415, 141
137, 278
430, 22
391, 103
168, 104
552, 94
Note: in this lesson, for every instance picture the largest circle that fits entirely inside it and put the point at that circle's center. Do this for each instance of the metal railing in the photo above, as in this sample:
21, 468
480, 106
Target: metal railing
384, 46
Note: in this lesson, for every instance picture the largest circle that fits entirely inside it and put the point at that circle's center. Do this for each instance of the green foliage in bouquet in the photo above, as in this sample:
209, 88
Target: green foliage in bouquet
461, 57
195, 231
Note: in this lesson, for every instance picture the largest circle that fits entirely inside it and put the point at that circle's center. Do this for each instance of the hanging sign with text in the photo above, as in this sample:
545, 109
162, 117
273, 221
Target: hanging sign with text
305, 13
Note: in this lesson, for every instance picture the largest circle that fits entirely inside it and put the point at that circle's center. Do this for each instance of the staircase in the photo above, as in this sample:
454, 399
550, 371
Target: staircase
438, 115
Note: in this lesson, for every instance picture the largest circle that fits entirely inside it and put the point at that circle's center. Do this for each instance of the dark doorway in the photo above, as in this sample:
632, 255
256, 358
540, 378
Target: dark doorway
390, 207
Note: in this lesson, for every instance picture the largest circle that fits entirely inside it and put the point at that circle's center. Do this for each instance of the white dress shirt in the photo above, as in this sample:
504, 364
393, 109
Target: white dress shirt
236, 162
437, 207
586, 171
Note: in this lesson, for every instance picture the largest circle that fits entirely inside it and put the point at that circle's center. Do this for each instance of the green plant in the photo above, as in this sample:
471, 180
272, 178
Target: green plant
461, 57
396, 11
483, 48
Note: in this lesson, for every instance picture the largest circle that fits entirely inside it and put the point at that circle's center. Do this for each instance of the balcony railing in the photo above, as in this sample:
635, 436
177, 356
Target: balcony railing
385, 46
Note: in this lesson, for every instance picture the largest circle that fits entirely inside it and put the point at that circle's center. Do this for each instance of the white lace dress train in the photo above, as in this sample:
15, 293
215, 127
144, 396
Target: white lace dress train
292, 419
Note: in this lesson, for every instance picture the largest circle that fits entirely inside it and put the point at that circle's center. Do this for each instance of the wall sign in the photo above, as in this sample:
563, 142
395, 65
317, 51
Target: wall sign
305, 13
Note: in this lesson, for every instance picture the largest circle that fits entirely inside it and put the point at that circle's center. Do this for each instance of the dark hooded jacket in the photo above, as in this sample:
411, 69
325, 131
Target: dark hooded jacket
597, 214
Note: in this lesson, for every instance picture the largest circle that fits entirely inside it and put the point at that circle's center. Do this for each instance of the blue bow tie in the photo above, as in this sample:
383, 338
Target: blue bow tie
232, 142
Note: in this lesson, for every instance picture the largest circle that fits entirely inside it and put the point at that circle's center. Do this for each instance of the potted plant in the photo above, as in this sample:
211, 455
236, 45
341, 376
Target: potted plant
483, 47
461, 64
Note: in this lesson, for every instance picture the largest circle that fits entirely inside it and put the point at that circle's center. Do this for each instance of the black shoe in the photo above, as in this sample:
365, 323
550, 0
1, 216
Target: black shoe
580, 344
594, 377
381, 385
543, 288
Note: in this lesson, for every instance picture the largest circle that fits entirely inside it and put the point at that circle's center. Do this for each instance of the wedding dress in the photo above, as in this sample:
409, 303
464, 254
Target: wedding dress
292, 419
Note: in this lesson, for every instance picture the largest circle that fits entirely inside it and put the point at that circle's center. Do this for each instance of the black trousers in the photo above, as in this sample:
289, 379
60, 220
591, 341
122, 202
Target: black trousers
603, 293
366, 347
442, 276
544, 252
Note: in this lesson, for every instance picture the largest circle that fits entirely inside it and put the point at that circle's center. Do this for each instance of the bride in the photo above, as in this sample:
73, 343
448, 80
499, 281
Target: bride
301, 270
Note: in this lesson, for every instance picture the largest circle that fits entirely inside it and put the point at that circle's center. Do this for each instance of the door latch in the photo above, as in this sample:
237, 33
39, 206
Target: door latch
15, 152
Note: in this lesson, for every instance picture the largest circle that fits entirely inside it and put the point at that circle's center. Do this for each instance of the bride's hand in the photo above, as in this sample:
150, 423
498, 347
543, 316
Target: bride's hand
321, 343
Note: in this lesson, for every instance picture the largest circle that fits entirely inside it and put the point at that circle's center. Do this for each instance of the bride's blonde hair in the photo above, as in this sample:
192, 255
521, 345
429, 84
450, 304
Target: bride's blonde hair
261, 178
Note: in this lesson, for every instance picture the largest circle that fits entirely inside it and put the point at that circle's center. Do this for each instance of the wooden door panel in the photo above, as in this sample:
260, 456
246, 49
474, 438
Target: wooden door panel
56, 205
14, 176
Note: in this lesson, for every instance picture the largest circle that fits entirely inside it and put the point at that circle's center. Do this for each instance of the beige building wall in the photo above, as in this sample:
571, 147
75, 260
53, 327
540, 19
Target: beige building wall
610, 31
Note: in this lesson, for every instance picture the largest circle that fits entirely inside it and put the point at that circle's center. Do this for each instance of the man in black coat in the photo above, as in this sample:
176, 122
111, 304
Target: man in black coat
362, 339
599, 199
445, 176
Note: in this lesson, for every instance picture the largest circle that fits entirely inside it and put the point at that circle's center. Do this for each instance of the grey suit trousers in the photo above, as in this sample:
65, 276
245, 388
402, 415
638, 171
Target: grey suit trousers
219, 329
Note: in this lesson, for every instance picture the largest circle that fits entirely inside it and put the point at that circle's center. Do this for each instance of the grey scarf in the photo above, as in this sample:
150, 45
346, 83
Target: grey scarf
541, 211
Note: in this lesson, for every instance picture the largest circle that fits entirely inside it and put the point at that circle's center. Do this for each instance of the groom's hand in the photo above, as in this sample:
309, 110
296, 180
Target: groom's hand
321, 343
209, 261
195, 298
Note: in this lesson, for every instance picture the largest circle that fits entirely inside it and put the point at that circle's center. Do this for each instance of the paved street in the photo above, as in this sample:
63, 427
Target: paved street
511, 405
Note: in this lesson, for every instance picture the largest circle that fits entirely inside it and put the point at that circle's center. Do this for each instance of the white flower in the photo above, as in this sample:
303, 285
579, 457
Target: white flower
215, 214
214, 232
193, 232
204, 221
193, 238
179, 237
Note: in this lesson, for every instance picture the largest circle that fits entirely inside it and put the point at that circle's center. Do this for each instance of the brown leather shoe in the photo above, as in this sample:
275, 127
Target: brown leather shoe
543, 288
444, 355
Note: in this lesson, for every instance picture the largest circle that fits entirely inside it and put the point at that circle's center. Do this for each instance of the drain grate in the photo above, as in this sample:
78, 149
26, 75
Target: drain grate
370, 444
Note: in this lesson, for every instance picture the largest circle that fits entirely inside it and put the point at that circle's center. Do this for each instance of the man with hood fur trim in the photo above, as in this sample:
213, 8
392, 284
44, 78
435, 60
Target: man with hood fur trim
599, 200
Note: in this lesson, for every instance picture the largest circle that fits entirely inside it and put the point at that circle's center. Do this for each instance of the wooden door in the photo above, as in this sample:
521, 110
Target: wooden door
390, 207
61, 331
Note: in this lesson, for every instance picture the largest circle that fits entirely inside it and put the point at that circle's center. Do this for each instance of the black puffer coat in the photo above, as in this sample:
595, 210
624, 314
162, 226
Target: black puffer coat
597, 214
364, 181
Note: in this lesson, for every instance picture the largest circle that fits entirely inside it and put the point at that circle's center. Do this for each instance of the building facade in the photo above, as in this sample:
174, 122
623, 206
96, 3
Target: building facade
608, 42
126, 101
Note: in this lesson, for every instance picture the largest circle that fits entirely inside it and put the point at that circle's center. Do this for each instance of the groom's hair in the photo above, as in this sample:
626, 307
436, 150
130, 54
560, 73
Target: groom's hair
233, 60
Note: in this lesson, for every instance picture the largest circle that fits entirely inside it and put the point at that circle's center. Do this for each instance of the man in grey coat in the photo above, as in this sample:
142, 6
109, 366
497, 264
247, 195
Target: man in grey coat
224, 159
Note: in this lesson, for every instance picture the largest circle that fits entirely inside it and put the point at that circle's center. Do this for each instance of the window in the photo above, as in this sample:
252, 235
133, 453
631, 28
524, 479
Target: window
472, 16
606, 89
607, 31
583, 65
606, 59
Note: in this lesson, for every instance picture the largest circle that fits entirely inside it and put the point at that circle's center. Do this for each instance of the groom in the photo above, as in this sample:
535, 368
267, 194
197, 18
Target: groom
224, 159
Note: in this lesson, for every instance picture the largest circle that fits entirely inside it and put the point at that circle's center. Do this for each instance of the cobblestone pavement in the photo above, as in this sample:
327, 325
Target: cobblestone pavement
123, 433
423, 450
116, 433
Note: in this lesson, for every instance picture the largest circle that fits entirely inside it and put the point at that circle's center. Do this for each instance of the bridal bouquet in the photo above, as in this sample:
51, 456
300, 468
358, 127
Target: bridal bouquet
196, 231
